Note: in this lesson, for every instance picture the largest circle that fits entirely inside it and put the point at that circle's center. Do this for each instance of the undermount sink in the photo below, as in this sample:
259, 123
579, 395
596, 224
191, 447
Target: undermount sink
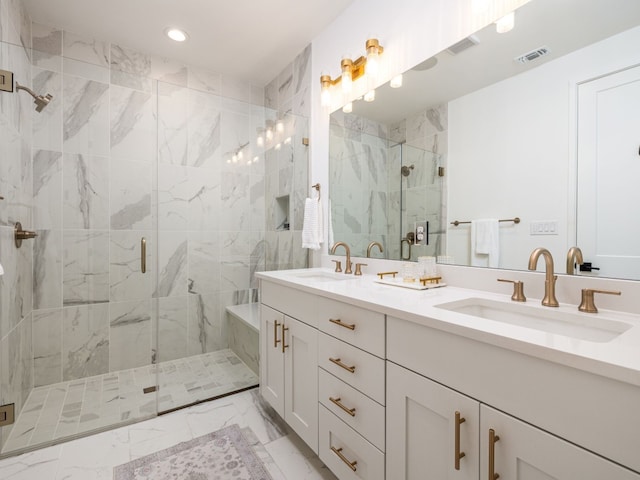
577, 325
322, 276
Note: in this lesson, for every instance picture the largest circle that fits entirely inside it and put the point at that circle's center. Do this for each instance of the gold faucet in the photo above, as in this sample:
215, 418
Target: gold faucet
371, 245
574, 255
348, 250
549, 299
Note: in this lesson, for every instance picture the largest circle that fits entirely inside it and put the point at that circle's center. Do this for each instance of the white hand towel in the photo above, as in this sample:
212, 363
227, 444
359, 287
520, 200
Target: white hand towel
311, 224
1, 270
485, 243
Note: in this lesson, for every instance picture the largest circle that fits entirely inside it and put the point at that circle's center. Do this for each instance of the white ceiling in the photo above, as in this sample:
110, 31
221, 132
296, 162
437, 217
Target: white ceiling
249, 39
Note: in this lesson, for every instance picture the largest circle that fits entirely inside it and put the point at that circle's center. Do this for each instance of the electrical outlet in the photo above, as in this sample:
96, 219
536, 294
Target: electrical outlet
549, 227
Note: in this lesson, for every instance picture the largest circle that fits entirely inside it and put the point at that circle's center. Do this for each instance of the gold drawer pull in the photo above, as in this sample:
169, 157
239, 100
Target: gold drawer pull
458, 454
493, 438
342, 365
338, 451
275, 334
337, 321
350, 411
284, 329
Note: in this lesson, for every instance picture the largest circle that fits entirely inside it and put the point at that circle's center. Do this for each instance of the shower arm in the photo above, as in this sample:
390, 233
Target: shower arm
26, 89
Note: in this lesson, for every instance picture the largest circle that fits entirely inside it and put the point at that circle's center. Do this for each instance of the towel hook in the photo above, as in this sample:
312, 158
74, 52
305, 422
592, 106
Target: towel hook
317, 187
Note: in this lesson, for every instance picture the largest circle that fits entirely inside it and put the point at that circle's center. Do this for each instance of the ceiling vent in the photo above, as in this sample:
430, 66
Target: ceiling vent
532, 55
463, 44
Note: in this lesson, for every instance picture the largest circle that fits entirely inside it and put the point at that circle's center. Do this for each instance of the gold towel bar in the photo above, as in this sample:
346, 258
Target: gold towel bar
515, 220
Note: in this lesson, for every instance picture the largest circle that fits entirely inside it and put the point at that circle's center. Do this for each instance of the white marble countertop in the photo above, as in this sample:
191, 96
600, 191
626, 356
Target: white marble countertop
618, 358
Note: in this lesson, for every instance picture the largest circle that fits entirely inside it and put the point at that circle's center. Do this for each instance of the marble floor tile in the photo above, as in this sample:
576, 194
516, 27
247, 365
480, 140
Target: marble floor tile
284, 455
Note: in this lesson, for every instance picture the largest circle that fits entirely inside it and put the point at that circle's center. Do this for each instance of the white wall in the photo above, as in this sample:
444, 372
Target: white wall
511, 153
409, 30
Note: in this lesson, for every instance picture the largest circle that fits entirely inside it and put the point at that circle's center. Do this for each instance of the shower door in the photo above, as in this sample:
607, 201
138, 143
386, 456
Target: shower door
420, 202
77, 318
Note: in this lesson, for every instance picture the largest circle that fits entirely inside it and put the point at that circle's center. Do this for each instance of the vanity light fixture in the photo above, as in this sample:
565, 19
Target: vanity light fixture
176, 34
370, 96
352, 70
396, 82
348, 107
279, 125
269, 131
506, 23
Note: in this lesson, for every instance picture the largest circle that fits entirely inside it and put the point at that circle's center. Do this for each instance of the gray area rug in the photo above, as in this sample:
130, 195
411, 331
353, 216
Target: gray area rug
221, 455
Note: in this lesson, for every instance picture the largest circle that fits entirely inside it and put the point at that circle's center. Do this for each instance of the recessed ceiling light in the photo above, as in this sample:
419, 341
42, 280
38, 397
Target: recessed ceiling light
176, 34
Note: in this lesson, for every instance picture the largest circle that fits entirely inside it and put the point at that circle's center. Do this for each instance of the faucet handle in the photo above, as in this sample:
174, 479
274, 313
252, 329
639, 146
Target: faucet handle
359, 268
518, 290
587, 304
338, 266
347, 268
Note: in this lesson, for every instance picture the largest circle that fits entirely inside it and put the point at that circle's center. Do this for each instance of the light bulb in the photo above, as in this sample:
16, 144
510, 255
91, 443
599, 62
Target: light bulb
279, 126
373, 58
346, 79
278, 146
506, 23
240, 155
325, 92
269, 132
396, 82
287, 140
348, 108
370, 96
255, 159
260, 137
234, 159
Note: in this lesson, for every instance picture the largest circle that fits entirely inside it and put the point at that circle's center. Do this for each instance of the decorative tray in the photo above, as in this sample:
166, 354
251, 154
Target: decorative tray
398, 282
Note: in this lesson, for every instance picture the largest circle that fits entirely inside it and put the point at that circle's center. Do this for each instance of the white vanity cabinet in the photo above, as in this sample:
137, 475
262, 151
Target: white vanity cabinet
543, 415
289, 365
433, 429
351, 349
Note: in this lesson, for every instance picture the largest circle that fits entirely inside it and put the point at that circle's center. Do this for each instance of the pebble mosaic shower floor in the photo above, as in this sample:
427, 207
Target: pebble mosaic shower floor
56, 411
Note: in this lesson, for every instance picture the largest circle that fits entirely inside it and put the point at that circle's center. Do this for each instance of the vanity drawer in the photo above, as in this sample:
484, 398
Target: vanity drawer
356, 367
357, 326
367, 417
340, 446
295, 303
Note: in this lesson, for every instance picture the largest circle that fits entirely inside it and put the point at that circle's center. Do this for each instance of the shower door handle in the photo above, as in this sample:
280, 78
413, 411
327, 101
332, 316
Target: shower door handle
143, 255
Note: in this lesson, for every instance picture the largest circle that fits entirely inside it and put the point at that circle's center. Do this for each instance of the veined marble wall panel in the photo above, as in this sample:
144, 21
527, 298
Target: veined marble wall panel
130, 334
85, 341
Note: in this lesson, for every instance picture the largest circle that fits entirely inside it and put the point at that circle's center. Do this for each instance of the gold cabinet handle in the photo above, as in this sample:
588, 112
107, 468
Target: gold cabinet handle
458, 454
337, 401
143, 255
493, 438
284, 329
342, 365
351, 465
275, 334
337, 321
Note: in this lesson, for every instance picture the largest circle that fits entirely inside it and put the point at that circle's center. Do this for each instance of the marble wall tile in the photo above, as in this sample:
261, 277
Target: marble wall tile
174, 193
204, 80
204, 329
130, 61
47, 269
130, 342
204, 262
127, 282
172, 264
47, 125
85, 49
243, 340
168, 71
235, 132
271, 94
302, 83
172, 124
86, 192
234, 202
257, 203
130, 186
172, 328
205, 209
47, 346
234, 273
47, 47
204, 131
133, 125
85, 341
236, 89
85, 116
89, 71
47, 190
85, 266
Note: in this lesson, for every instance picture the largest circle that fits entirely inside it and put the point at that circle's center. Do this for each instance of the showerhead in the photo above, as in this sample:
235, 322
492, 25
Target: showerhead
406, 170
40, 101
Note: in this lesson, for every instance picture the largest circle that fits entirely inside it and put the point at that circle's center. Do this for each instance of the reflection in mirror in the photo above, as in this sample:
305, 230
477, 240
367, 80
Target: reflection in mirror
500, 116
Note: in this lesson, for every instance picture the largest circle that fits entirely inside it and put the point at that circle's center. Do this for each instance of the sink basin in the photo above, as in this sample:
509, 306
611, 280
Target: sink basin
583, 326
316, 276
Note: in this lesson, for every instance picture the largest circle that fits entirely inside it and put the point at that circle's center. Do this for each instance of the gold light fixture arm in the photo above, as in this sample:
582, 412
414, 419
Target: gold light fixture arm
356, 66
